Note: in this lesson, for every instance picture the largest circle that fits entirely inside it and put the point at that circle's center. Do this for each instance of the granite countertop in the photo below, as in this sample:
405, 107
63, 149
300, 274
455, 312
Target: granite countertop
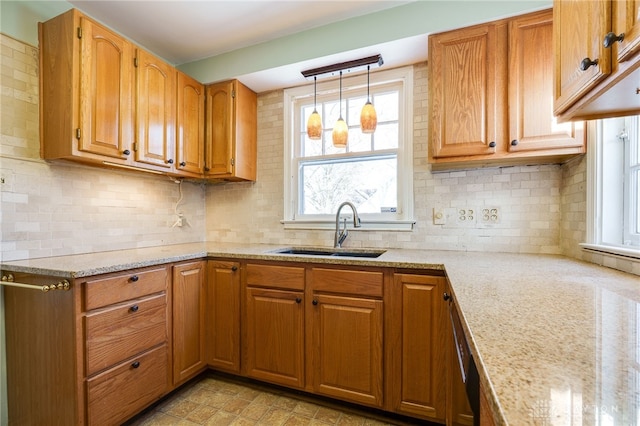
556, 341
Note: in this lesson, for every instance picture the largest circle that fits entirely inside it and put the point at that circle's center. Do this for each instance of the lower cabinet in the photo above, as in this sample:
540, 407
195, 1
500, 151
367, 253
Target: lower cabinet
188, 320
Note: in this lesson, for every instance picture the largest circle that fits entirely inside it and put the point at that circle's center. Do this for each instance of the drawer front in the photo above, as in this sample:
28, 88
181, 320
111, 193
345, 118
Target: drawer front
287, 277
361, 283
121, 332
124, 390
114, 289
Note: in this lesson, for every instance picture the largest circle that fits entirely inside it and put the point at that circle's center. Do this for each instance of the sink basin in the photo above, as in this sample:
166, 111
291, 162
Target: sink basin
368, 253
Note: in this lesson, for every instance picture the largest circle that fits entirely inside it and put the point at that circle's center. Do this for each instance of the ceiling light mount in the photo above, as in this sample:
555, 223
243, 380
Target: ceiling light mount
348, 65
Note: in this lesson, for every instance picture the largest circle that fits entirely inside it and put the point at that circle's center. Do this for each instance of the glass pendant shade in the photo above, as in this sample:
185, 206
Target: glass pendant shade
314, 126
340, 133
368, 118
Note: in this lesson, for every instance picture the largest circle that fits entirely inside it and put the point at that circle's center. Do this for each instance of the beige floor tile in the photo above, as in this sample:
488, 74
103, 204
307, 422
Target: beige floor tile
275, 416
327, 415
236, 406
255, 410
221, 419
202, 414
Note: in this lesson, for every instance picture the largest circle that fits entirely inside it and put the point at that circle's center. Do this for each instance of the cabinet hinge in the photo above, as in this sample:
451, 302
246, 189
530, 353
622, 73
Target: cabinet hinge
135, 62
233, 93
233, 162
79, 32
135, 146
78, 133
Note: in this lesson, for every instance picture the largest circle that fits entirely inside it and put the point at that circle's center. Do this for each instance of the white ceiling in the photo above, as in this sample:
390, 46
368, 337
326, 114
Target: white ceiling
186, 31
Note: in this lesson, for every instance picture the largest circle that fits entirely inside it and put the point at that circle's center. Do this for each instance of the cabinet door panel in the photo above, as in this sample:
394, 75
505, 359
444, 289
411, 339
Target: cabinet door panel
347, 348
223, 315
626, 20
275, 336
106, 113
462, 92
580, 36
155, 111
219, 134
532, 124
190, 125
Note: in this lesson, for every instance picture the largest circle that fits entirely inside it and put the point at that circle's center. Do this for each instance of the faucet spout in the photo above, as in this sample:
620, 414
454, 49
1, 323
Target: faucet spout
341, 235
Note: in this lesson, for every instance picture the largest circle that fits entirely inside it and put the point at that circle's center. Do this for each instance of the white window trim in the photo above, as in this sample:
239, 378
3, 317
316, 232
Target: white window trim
405, 153
594, 189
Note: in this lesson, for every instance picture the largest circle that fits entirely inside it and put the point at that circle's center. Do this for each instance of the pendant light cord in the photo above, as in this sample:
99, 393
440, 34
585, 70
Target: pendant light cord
368, 97
315, 94
340, 93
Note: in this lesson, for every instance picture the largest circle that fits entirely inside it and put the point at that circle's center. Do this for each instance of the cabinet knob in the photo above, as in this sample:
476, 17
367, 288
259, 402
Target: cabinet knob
446, 296
298, 300
134, 308
514, 142
611, 38
315, 303
136, 364
182, 164
134, 278
206, 169
234, 268
126, 152
492, 144
587, 62
170, 161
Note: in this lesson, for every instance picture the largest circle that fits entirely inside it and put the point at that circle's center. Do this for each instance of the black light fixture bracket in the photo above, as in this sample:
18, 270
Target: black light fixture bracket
348, 65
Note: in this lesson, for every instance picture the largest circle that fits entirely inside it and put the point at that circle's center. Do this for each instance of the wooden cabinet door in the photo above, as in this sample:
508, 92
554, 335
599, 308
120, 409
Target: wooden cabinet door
274, 336
189, 126
219, 151
188, 320
466, 73
626, 20
346, 348
532, 124
223, 315
155, 111
106, 92
419, 378
579, 29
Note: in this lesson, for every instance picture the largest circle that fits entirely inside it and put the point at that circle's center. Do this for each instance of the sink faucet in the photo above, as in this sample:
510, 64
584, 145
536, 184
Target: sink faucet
341, 235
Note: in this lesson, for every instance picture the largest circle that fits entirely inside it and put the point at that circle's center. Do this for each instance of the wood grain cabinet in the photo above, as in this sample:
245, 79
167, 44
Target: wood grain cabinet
231, 132
597, 66
189, 126
273, 324
189, 307
223, 315
487, 104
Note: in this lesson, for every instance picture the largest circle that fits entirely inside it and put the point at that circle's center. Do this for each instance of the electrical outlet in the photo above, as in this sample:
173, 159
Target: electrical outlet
490, 216
466, 216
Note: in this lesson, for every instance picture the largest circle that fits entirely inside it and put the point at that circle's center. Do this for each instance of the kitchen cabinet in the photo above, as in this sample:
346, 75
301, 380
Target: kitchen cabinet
485, 103
420, 336
188, 301
189, 126
231, 132
345, 344
223, 315
101, 349
596, 62
273, 324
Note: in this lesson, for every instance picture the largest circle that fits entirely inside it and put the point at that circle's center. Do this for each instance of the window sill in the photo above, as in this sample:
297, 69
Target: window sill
395, 225
633, 254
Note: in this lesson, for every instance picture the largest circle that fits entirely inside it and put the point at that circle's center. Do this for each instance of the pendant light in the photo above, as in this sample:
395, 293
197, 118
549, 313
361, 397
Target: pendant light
314, 124
368, 116
340, 129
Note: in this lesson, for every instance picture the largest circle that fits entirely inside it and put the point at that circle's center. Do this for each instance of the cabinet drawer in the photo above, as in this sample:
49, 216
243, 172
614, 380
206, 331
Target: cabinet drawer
124, 390
289, 277
361, 283
107, 291
119, 333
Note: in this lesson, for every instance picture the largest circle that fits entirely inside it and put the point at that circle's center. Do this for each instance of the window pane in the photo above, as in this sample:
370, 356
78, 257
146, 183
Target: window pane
310, 148
386, 136
358, 141
355, 107
637, 201
370, 184
387, 106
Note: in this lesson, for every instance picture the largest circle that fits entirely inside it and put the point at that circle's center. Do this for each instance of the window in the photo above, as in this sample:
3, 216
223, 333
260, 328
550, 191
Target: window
613, 199
374, 171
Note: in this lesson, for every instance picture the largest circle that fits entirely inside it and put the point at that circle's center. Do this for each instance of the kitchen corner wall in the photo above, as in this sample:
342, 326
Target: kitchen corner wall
528, 197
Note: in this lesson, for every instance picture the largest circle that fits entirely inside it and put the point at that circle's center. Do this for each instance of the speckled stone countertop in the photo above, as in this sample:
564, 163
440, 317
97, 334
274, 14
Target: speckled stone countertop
556, 341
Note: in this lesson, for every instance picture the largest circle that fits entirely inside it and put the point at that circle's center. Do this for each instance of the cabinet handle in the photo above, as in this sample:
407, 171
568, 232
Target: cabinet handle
136, 364
492, 144
315, 303
587, 62
514, 142
611, 38
170, 161
234, 268
446, 296
126, 152
134, 308
182, 164
298, 300
134, 278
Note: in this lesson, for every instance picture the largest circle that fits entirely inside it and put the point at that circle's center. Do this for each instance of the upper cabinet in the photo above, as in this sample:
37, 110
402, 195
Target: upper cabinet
597, 67
190, 126
487, 103
231, 132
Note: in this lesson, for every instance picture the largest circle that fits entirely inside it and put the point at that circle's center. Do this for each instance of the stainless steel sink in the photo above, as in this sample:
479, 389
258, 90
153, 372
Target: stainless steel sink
307, 251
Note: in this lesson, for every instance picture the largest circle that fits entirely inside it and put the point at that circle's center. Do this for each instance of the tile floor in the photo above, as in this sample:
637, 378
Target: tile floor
221, 401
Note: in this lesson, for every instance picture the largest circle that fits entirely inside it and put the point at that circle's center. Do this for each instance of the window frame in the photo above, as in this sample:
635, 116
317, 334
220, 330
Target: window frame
402, 220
